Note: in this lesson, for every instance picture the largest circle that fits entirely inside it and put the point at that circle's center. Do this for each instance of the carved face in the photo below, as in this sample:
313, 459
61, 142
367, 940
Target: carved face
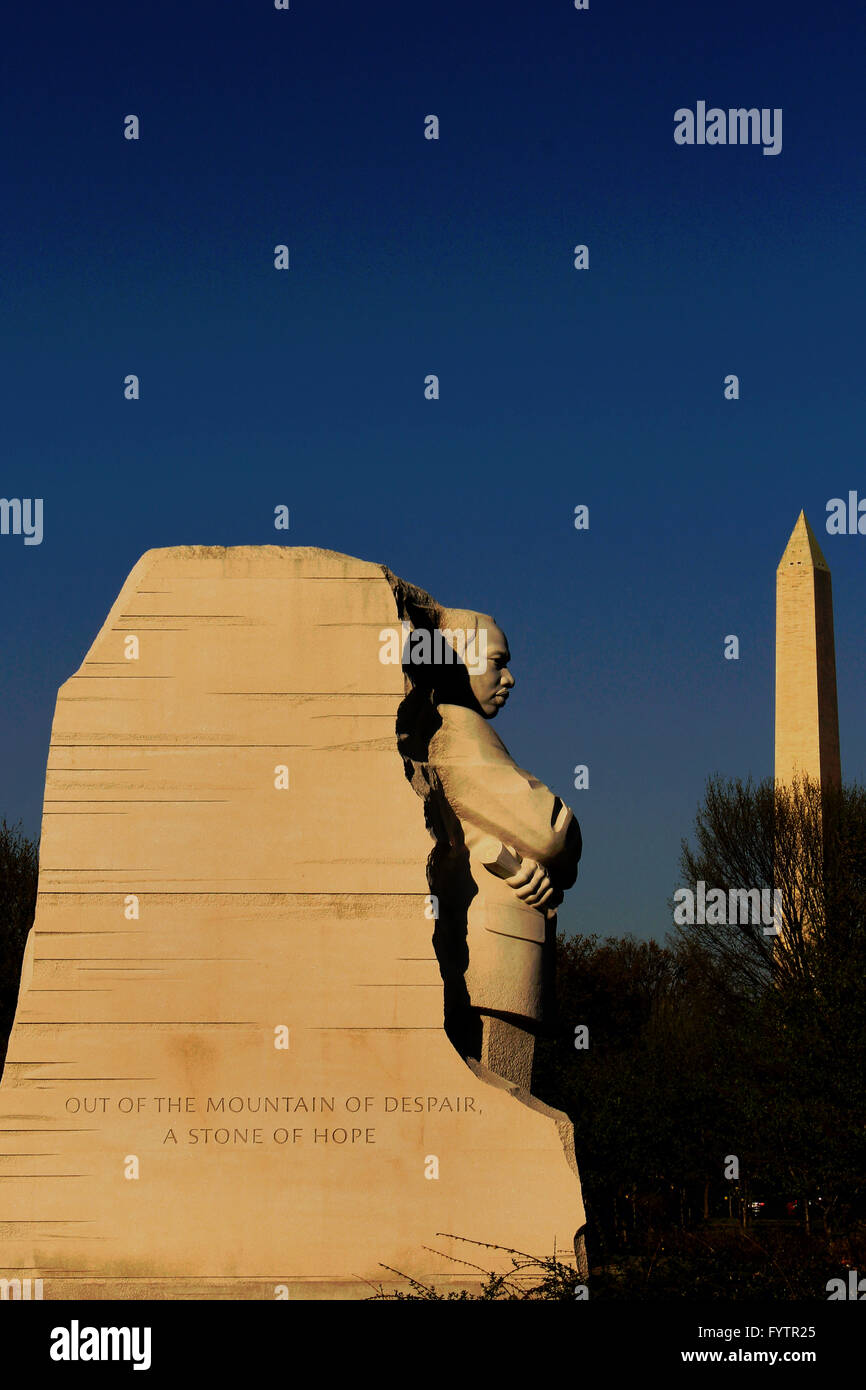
491, 687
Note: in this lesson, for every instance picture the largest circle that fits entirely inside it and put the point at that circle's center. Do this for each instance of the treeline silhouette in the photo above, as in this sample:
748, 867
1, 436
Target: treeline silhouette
19, 870
720, 1105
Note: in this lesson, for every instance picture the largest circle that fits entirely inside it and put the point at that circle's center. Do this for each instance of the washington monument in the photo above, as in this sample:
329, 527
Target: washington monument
807, 718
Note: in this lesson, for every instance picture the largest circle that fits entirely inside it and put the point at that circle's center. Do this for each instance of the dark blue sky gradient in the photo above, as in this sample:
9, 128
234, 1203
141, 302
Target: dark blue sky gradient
409, 257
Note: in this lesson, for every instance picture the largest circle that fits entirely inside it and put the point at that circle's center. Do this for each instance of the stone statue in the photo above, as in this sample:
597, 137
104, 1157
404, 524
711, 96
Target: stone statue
230, 987
506, 846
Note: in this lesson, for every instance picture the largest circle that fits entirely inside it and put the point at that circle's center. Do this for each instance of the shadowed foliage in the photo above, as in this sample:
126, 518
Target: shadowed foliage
19, 868
727, 1043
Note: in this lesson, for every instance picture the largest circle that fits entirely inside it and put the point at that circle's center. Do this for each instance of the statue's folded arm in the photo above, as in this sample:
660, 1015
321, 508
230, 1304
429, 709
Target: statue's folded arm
486, 788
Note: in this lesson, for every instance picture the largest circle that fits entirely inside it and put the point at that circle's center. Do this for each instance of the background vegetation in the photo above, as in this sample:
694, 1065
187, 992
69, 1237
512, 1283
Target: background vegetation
19, 868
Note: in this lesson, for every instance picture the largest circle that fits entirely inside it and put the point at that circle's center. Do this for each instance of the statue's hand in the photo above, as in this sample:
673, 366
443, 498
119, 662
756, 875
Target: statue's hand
533, 887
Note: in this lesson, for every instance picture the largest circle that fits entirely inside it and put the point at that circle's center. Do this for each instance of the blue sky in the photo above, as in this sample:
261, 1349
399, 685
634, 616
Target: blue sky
408, 257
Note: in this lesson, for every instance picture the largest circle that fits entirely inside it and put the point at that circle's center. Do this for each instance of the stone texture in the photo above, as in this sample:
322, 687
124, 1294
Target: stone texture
258, 908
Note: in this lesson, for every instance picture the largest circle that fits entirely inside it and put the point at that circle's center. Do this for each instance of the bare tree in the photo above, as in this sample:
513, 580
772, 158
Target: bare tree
806, 844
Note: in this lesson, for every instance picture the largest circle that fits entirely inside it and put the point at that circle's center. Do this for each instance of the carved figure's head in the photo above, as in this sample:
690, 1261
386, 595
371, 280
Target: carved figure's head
492, 686
485, 680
